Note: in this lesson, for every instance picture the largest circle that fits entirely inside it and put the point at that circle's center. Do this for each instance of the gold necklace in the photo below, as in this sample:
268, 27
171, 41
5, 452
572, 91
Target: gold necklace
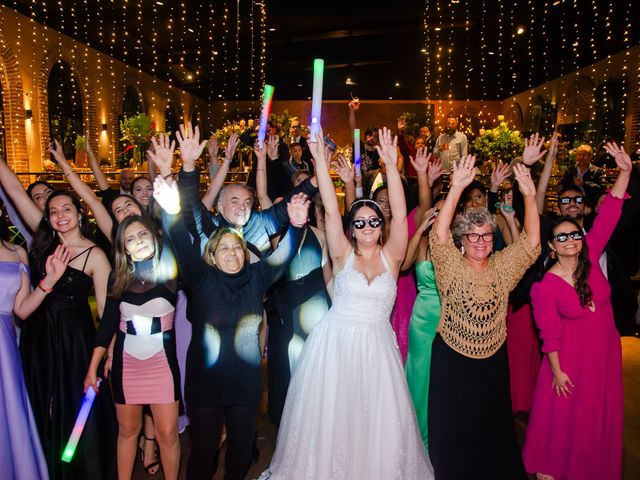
147, 277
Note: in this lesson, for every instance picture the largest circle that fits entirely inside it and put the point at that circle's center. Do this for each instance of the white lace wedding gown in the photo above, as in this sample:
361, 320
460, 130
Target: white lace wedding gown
348, 414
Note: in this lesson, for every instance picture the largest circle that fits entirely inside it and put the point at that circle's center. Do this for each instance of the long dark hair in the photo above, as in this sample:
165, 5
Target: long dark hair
36, 183
4, 229
124, 268
114, 221
353, 211
45, 238
581, 273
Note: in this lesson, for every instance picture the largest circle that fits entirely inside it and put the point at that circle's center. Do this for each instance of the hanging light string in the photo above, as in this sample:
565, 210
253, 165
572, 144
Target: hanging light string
594, 54
499, 70
467, 59
225, 54
426, 51
236, 75
263, 43
483, 53
625, 61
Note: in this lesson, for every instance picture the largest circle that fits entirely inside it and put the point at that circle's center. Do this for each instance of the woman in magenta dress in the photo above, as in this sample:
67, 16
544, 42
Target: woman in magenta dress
575, 428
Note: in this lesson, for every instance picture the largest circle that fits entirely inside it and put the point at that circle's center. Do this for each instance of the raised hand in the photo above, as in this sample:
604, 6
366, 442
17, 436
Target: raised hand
498, 175
298, 209
434, 170
553, 146
212, 149
161, 153
56, 264
56, 150
232, 144
345, 171
272, 147
463, 172
190, 145
261, 152
622, 158
388, 148
525, 182
166, 194
533, 149
428, 219
421, 162
317, 149
402, 122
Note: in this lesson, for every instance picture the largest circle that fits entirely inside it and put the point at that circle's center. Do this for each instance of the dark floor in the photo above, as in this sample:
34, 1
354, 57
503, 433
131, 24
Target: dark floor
631, 455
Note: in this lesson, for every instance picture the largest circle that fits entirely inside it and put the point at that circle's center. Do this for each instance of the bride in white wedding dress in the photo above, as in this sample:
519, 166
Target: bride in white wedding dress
348, 414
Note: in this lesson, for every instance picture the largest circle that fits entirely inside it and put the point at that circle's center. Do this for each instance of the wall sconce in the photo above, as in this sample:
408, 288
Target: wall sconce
28, 114
105, 127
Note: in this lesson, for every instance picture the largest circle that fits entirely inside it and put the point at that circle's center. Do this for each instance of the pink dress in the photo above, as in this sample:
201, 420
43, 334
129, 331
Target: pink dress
579, 437
523, 348
405, 298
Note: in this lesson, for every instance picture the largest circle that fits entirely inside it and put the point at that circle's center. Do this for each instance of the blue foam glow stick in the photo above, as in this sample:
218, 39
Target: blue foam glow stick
78, 427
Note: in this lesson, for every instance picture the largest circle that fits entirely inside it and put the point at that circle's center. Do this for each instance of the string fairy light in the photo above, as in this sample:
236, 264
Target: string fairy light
236, 75
594, 56
263, 43
467, 59
426, 50
483, 50
225, 55
500, 48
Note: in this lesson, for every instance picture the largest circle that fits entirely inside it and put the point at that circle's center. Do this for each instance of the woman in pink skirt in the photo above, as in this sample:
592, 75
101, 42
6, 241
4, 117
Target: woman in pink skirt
140, 312
575, 428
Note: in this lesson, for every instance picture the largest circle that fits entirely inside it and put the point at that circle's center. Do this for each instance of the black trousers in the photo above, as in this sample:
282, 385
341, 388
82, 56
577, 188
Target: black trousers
206, 428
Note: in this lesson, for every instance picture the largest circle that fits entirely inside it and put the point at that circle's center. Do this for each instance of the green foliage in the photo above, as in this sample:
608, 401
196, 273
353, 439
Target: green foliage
499, 142
137, 130
80, 142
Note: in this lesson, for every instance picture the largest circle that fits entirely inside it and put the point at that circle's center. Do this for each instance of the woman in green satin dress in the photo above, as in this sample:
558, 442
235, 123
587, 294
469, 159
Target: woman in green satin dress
424, 320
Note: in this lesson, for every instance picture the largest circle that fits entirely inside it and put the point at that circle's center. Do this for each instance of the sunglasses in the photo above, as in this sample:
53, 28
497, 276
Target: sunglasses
475, 237
373, 222
563, 237
567, 200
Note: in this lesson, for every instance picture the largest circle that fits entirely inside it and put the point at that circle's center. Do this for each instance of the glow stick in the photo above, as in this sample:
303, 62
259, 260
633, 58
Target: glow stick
316, 100
267, 97
356, 150
81, 420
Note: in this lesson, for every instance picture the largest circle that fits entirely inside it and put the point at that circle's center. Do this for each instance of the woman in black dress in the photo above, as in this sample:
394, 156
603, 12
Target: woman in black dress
57, 341
223, 382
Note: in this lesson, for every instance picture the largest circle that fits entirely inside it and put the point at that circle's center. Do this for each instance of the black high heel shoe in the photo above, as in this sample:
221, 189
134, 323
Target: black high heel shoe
153, 465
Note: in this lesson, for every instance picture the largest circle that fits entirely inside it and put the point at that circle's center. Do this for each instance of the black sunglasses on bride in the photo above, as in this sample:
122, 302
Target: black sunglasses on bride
373, 222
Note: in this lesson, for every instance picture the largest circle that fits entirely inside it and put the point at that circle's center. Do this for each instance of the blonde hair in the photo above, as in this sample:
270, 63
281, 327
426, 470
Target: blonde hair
214, 242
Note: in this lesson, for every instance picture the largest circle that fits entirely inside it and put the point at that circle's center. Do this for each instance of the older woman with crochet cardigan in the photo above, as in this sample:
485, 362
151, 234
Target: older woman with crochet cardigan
471, 432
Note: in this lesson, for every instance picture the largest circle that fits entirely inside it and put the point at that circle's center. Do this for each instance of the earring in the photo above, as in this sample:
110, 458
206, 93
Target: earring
552, 254
462, 249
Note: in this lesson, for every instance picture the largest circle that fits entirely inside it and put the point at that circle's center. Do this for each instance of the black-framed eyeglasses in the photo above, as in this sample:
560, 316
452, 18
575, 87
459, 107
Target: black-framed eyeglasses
563, 237
579, 199
475, 237
373, 222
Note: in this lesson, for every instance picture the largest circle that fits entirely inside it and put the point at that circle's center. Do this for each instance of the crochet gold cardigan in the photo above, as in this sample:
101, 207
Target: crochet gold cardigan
474, 304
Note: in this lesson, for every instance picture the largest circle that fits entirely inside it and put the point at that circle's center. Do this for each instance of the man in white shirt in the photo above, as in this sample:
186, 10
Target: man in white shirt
451, 146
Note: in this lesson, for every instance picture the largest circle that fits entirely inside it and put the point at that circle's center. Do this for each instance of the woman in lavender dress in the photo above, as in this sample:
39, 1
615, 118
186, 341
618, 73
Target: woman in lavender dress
21, 455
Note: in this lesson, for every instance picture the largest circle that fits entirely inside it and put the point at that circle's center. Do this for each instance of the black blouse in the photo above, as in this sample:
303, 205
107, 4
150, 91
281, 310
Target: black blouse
224, 357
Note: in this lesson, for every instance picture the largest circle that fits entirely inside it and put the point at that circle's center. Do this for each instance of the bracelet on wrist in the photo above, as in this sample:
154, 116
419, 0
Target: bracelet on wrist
44, 288
170, 175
